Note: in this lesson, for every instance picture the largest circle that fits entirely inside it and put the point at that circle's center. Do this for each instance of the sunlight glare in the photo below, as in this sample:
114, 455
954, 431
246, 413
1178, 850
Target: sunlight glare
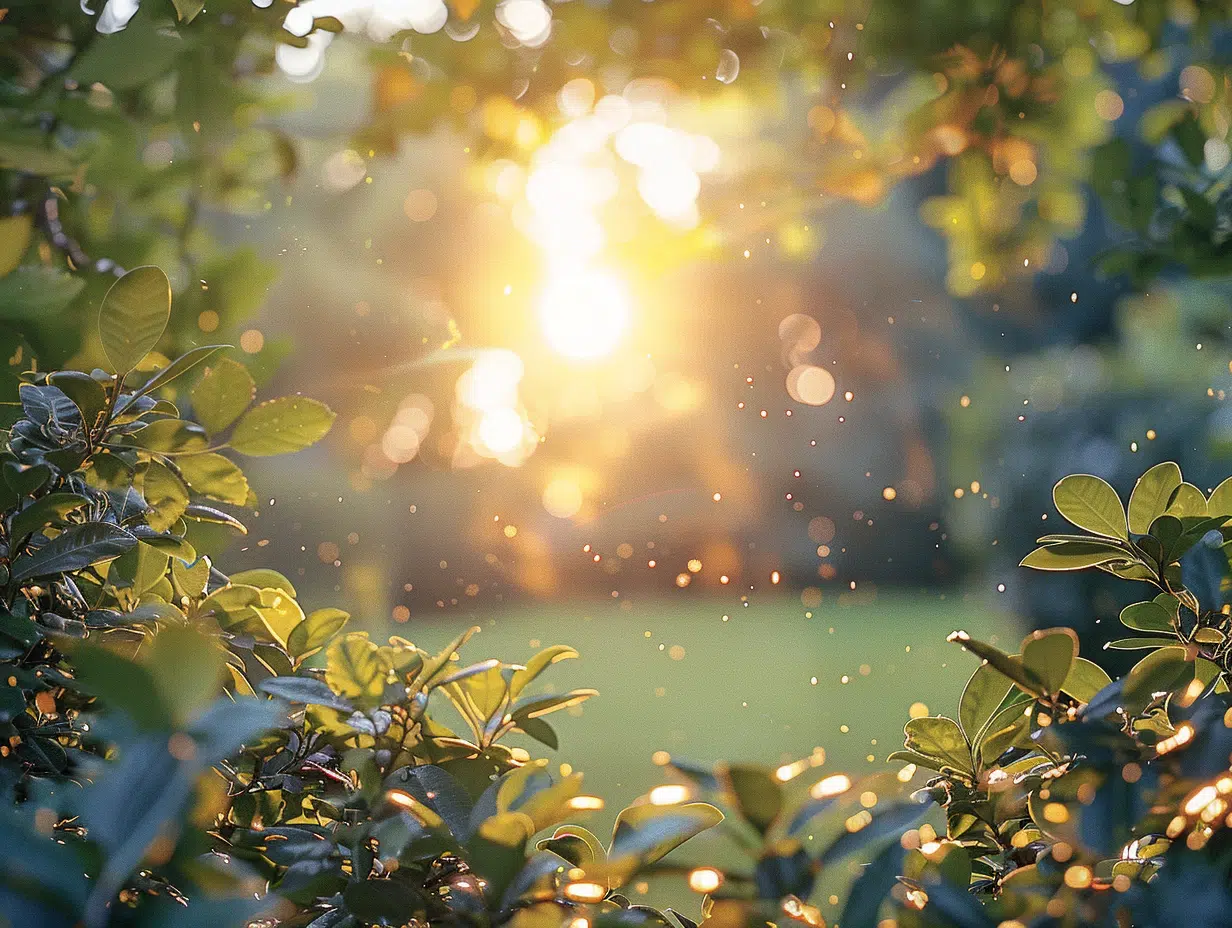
584, 313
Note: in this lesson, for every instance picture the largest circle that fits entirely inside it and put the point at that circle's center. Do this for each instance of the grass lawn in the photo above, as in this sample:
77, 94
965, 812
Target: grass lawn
713, 679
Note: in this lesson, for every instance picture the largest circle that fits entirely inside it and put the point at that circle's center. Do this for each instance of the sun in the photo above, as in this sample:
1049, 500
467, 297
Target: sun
584, 313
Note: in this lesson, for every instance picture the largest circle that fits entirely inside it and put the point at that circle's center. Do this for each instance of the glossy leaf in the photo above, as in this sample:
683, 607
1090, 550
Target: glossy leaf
1090, 503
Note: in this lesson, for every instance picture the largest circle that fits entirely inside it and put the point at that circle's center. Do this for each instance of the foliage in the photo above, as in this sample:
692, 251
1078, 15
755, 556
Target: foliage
184, 747
121, 133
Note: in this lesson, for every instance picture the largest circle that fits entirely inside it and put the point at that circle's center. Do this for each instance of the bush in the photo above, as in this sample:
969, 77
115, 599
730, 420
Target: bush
187, 748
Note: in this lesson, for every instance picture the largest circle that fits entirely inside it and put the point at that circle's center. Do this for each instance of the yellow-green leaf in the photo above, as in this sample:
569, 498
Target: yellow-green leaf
14, 240
282, 426
1151, 496
222, 395
134, 316
1090, 503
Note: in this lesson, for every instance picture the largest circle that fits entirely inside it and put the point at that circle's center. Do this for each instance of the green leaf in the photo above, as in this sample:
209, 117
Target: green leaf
1161, 671
177, 368
134, 316
316, 631
872, 887
1220, 501
171, 436
31, 153
1085, 679
214, 476
1090, 503
1146, 617
575, 845
37, 291
647, 833
1049, 654
1140, 644
537, 665
307, 690
222, 395
87, 394
74, 549
1010, 726
263, 578
759, 797
166, 495
942, 738
1187, 501
282, 426
892, 819
122, 685
1012, 667
1072, 555
1151, 496
47, 510
353, 670
14, 240
981, 698
188, 670
214, 517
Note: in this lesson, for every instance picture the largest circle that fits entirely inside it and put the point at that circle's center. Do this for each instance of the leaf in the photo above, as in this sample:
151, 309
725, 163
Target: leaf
1220, 501
307, 690
891, 820
353, 670
1160, 671
1146, 617
134, 316
121, 685
647, 833
758, 795
1012, 667
1151, 496
171, 436
1072, 555
981, 697
1140, 644
37, 291
537, 706
188, 671
177, 368
87, 394
537, 665
74, 549
1049, 654
315, 631
263, 578
222, 395
939, 737
46, 510
574, 844
1090, 503
1187, 501
14, 240
1084, 680
165, 493
212, 475
282, 426
872, 887
214, 517
188, 10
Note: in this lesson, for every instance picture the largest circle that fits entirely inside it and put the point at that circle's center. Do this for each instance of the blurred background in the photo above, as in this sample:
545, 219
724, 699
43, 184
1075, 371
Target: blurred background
666, 343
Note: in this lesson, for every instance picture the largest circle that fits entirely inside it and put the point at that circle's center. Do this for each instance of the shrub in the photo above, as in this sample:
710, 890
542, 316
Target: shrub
187, 748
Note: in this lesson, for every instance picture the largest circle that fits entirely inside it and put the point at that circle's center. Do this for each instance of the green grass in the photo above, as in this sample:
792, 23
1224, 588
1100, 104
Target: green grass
743, 688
